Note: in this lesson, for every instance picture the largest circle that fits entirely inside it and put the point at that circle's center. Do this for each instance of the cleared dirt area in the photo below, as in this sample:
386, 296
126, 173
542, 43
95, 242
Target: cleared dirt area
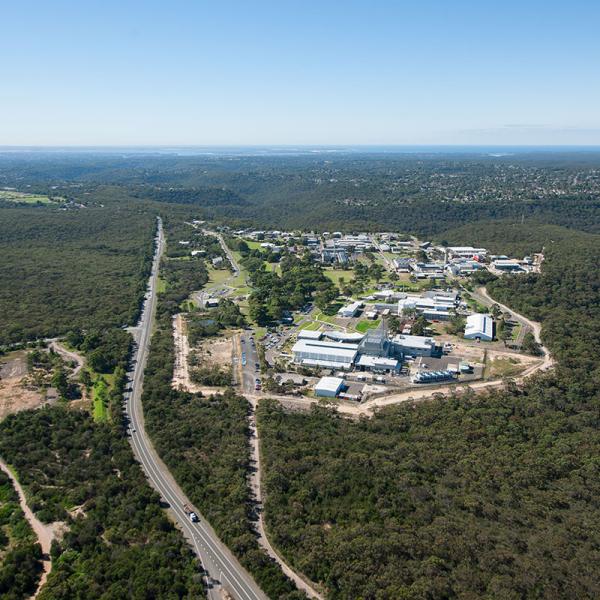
213, 352
16, 393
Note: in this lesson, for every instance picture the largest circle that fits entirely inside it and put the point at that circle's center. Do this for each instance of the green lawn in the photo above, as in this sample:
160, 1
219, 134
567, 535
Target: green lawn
335, 274
100, 400
13, 196
364, 326
218, 276
516, 330
311, 326
325, 318
273, 267
161, 286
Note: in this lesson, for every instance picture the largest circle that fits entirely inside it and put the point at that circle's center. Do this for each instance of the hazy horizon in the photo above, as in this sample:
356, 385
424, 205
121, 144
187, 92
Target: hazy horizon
271, 73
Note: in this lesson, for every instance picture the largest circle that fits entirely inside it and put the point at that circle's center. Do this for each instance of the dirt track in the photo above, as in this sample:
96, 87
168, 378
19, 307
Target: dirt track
44, 533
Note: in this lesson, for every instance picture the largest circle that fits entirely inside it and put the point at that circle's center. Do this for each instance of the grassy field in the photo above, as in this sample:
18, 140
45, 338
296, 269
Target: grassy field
13, 196
218, 276
504, 367
311, 326
336, 274
326, 318
100, 400
274, 267
161, 286
515, 332
364, 326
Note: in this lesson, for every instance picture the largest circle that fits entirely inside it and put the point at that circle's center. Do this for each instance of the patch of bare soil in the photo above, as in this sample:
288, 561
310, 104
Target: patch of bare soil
16, 393
216, 351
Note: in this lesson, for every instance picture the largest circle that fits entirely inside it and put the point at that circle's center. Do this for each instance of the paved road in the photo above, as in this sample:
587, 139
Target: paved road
226, 250
222, 567
218, 289
247, 358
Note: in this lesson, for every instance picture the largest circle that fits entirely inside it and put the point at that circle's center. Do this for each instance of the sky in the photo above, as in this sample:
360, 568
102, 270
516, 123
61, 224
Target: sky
299, 72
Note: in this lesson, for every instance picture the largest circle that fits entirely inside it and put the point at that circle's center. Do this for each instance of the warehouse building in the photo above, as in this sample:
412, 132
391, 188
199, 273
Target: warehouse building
479, 327
510, 266
324, 354
414, 345
466, 252
378, 364
329, 387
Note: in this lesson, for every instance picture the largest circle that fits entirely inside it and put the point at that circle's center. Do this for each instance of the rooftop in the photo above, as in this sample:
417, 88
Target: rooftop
479, 324
330, 384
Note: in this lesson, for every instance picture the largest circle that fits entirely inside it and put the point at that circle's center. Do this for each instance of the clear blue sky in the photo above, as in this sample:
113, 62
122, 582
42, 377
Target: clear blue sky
300, 72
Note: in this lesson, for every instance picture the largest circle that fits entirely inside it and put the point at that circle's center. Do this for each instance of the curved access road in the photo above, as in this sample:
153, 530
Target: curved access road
225, 571
66, 354
482, 294
43, 533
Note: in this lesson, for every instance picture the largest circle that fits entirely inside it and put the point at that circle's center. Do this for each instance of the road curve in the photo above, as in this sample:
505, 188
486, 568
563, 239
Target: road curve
534, 325
66, 354
223, 568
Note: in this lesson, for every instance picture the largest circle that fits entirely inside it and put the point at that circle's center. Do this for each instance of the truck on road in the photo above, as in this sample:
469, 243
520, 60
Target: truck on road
193, 517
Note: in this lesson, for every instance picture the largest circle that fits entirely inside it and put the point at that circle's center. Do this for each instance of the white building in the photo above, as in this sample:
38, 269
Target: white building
329, 387
309, 334
479, 327
350, 310
466, 251
435, 308
344, 336
414, 345
324, 354
508, 265
380, 364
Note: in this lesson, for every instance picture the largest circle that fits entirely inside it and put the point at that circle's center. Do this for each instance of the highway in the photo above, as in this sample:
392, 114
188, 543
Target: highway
226, 577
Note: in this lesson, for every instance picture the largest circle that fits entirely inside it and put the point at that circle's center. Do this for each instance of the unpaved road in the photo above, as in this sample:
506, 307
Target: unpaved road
68, 355
44, 533
534, 325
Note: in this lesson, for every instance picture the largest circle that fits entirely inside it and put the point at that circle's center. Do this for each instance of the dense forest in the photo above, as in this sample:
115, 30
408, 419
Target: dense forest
492, 496
20, 554
85, 475
71, 269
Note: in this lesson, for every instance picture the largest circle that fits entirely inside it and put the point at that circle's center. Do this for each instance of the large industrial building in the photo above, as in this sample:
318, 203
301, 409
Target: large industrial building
324, 354
466, 252
376, 352
479, 327
414, 345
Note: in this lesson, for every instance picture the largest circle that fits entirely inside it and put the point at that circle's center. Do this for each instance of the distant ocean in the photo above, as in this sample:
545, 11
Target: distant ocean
294, 150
